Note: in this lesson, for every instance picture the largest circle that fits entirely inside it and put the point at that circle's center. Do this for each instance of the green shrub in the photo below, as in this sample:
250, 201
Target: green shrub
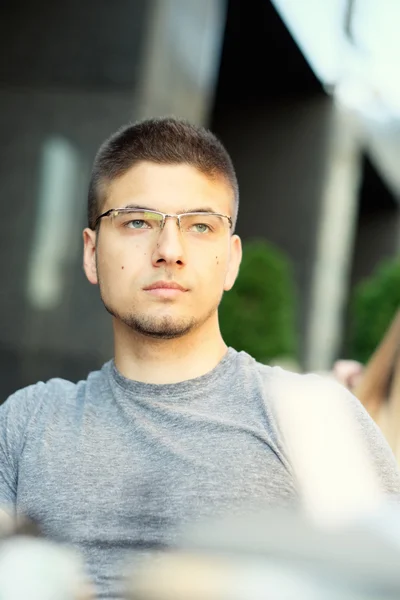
258, 314
375, 303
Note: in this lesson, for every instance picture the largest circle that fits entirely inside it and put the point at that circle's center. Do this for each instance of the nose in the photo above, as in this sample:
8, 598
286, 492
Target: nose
170, 248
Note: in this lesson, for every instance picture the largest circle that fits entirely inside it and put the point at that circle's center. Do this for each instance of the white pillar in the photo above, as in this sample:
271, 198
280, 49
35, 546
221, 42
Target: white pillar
335, 241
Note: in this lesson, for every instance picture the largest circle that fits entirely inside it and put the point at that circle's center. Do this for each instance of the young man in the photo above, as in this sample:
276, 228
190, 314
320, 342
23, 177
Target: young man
177, 427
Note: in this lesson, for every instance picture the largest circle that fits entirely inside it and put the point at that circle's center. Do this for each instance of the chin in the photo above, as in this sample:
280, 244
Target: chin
158, 326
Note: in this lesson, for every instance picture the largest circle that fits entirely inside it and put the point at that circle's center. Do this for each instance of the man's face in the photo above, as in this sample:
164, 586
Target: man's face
126, 261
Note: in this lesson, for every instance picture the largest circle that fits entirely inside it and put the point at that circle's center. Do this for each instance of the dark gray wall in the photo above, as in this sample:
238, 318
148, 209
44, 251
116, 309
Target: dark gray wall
73, 44
378, 224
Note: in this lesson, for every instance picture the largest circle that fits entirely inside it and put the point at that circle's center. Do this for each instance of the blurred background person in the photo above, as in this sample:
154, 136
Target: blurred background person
348, 372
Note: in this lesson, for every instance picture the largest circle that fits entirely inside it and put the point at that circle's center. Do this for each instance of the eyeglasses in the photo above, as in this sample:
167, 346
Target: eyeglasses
137, 221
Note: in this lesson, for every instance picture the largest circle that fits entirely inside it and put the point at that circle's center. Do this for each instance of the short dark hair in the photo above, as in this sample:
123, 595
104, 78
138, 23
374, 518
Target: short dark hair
164, 140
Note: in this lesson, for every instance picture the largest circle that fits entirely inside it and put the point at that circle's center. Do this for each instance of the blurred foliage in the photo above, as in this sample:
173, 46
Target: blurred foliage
258, 314
376, 301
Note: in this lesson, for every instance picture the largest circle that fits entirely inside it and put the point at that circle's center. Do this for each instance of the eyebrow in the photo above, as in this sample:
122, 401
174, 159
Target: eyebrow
203, 209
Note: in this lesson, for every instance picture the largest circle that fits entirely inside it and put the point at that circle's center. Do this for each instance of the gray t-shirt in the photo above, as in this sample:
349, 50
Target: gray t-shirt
113, 466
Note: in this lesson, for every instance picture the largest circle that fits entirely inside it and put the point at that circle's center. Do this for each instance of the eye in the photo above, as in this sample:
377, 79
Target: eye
201, 228
138, 224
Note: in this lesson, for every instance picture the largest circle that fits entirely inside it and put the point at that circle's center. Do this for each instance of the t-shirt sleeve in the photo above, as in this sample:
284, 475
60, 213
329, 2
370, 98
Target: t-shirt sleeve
15, 415
381, 454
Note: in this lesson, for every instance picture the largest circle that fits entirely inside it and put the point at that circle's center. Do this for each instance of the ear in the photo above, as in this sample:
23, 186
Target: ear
89, 255
234, 262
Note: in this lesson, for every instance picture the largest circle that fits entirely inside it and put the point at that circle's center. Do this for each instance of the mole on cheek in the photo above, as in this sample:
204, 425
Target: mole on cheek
122, 267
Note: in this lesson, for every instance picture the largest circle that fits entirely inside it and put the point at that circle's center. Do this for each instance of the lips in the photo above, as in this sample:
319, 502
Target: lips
165, 285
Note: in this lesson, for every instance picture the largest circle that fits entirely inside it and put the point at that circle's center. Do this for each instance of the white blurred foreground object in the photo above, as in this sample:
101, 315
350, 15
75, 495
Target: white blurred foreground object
336, 478
36, 569
277, 556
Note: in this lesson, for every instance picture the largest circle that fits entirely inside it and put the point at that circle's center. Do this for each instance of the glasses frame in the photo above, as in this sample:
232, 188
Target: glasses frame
164, 216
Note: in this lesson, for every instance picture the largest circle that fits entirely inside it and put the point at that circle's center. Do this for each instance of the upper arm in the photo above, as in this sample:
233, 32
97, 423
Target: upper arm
15, 414
380, 452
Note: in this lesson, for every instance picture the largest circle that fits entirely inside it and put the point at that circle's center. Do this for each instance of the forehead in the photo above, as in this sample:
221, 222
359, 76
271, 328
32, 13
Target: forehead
170, 188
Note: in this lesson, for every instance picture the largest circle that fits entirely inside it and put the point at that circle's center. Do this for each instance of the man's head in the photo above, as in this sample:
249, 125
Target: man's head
171, 167
165, 141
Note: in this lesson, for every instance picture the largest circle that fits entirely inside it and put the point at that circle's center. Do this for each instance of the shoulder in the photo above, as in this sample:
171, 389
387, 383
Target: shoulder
314, 398
39, 393
47, 396
307, 392
28, 403
280, 378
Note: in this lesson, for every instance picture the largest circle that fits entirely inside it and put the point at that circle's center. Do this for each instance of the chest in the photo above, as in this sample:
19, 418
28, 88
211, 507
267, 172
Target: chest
138, 477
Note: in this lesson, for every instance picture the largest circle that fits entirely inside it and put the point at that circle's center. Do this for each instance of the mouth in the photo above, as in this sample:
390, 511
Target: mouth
165, 289
165, 285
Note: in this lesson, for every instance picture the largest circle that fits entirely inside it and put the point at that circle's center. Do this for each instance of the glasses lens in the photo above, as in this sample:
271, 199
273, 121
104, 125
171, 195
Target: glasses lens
134, 220
205, 224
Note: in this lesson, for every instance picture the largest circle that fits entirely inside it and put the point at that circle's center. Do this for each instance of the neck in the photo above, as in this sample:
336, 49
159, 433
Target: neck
148, 360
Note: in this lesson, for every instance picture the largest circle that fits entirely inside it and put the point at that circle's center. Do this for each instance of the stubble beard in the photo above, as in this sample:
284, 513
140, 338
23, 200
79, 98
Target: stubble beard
164, 327
161, 328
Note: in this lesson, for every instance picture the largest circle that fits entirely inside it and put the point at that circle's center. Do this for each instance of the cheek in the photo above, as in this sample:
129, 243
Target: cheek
221, 261
215, 268
113, 260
